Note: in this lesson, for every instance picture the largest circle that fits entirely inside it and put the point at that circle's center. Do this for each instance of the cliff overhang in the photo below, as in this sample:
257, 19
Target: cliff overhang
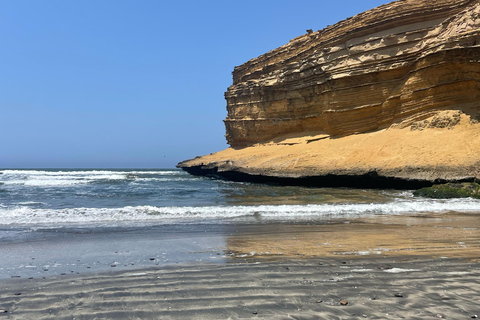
369, 180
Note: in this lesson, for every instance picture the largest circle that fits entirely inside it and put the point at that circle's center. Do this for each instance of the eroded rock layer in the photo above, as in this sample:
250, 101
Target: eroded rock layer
402, 60
387, 98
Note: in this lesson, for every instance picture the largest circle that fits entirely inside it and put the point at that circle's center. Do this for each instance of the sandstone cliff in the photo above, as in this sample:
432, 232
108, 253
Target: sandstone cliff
392, 92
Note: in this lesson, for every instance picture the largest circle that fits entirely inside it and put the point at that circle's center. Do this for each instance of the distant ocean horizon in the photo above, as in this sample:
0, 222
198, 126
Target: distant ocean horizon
118, 197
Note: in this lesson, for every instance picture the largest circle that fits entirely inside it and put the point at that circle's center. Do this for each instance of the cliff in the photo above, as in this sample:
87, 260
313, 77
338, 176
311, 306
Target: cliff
391, 93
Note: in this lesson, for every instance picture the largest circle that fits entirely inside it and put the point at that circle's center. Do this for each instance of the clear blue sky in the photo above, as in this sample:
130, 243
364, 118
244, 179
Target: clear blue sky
133, 83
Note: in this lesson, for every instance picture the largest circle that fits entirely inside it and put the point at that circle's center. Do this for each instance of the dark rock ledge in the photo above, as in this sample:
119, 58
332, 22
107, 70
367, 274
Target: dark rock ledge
370, 180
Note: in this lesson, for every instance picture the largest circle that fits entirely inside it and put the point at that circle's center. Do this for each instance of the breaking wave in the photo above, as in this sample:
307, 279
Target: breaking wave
172, 215
63, 178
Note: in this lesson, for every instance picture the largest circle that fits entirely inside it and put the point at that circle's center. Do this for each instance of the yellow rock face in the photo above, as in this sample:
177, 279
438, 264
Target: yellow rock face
403, 59
395, 90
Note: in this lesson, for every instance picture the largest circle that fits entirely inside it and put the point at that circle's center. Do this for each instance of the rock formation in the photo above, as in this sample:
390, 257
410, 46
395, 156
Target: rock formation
392, 93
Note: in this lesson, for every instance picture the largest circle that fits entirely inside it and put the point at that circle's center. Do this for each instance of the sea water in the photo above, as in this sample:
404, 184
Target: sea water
57, 222
104, 197
117, 197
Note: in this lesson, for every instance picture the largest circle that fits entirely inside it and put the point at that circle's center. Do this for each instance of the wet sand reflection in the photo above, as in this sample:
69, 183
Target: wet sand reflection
434, 235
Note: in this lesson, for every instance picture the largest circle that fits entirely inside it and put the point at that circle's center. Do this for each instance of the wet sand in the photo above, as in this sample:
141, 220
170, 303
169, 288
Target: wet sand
377, 288
444, 235
400, 267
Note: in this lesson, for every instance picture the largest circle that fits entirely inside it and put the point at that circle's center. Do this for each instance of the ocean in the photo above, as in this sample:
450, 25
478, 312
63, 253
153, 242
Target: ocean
113, 198
59, 221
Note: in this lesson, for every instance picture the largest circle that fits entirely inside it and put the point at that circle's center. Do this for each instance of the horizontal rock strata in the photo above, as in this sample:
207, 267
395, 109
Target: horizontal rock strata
411, 66
362, 74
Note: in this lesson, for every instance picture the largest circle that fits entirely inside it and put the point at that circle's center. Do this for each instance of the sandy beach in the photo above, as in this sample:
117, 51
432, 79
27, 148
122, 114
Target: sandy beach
376, 288
397, 267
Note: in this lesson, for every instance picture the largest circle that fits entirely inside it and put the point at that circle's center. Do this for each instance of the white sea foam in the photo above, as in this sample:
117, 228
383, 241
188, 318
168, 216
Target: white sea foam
163, 179
28, 215
62, 178
84, 172
29, 203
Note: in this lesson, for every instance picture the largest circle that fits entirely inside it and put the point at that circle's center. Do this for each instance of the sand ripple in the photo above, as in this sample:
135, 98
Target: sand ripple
308, 289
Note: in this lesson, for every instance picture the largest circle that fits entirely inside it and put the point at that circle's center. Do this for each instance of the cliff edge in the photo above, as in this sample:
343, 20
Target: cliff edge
387, 98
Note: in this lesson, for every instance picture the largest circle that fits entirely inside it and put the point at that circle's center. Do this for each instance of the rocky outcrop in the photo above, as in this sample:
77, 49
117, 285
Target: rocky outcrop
450, 190
409, 66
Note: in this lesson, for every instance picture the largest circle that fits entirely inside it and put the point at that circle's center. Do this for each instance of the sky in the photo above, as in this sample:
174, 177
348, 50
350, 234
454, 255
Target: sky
133, 83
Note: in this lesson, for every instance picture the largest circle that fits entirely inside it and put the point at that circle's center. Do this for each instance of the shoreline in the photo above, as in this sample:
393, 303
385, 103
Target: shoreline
384, 267
45, 252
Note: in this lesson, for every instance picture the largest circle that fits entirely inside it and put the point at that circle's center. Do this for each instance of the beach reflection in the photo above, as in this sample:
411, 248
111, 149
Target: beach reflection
433, 235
